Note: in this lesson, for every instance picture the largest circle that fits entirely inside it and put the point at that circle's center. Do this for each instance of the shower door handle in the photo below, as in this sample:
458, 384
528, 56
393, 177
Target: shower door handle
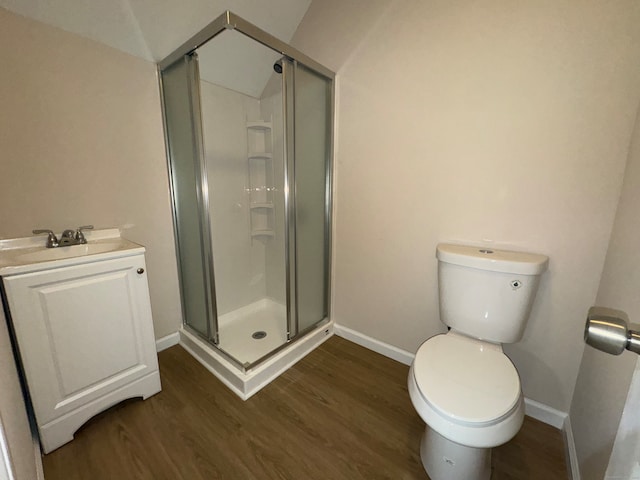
609, 330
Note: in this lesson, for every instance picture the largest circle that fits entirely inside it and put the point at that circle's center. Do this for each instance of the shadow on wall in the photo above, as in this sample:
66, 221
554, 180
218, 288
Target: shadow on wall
534, 368
593, 468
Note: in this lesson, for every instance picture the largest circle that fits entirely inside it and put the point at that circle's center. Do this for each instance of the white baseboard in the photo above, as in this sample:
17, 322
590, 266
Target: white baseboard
167, 341
572, 454
377, 346
537, 410
561, 421
545, 413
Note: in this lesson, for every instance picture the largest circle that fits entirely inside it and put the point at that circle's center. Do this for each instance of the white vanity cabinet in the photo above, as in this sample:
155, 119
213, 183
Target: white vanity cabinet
85, 338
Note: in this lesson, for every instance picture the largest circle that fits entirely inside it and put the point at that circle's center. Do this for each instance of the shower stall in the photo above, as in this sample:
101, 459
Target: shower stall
248, 126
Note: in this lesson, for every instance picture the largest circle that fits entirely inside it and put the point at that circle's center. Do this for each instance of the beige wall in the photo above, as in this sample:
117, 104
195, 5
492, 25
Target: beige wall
81, 142
491, 122
456, 122
603, 382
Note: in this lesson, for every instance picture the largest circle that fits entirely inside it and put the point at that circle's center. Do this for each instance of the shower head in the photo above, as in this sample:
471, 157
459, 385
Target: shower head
278, 66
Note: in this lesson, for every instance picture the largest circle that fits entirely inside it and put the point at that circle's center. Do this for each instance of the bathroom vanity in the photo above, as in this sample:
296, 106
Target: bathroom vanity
81, 321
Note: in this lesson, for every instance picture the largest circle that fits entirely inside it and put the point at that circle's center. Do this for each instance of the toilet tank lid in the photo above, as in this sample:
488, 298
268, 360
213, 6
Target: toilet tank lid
486, 258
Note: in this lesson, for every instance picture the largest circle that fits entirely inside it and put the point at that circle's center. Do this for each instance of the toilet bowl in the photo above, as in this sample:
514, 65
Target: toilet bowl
468, 394
461, 383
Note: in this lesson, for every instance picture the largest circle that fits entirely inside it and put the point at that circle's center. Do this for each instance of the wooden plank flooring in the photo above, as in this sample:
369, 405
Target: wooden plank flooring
343, 412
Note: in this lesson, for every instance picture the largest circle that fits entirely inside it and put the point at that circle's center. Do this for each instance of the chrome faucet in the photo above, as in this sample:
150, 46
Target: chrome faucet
52, 240
79, 236
68, 237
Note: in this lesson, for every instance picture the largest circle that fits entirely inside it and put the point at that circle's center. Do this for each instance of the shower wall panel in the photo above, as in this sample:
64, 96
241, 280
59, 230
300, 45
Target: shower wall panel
239, 263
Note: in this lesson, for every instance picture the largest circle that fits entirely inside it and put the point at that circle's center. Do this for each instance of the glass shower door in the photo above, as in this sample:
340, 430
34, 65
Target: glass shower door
312, 146
241, 93
248, 128
181, 107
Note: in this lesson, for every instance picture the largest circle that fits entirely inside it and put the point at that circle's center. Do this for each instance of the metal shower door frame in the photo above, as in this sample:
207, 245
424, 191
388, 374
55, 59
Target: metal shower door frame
230, 21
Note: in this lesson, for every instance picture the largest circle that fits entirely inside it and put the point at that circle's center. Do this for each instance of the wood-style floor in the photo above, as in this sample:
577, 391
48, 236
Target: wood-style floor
343, 412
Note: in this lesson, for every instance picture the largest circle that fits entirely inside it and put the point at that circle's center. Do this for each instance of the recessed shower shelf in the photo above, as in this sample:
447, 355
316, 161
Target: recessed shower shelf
263, 233
259, 155
260, 175
259, 125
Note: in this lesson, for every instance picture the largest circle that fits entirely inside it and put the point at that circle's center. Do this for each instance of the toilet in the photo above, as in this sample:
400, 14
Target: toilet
461, 383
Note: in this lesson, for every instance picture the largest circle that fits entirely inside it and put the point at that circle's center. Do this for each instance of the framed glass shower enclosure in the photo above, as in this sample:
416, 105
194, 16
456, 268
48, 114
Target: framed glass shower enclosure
248, 125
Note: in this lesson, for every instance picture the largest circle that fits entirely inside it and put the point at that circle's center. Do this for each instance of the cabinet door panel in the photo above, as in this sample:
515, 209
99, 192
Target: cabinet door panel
91, 328
82, 331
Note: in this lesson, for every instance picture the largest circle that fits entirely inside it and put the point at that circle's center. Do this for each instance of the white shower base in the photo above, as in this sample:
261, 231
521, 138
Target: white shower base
237, 326
235, 329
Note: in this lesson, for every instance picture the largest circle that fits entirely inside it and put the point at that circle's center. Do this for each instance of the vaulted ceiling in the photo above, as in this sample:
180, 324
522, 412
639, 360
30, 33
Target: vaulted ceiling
151, 29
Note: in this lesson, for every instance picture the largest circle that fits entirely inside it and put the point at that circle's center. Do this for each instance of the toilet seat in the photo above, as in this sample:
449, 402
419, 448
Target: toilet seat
468, 382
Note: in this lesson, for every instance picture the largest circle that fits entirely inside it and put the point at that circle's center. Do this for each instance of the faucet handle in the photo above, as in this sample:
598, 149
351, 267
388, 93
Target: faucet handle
80, 236
52, 240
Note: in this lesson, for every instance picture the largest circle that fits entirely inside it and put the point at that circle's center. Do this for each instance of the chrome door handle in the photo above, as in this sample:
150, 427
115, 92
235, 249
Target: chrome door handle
609, 330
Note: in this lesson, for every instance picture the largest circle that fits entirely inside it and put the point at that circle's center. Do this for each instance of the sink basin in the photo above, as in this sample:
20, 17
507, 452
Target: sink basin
59, 253
28, 254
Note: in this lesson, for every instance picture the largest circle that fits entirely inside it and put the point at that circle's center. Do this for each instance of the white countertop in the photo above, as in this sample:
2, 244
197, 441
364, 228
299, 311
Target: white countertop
29, 254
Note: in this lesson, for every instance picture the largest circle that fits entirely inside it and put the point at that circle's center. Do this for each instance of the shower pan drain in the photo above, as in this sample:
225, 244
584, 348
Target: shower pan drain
258, 335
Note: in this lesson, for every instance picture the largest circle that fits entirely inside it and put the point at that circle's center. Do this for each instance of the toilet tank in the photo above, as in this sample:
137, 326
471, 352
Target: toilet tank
487, 293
